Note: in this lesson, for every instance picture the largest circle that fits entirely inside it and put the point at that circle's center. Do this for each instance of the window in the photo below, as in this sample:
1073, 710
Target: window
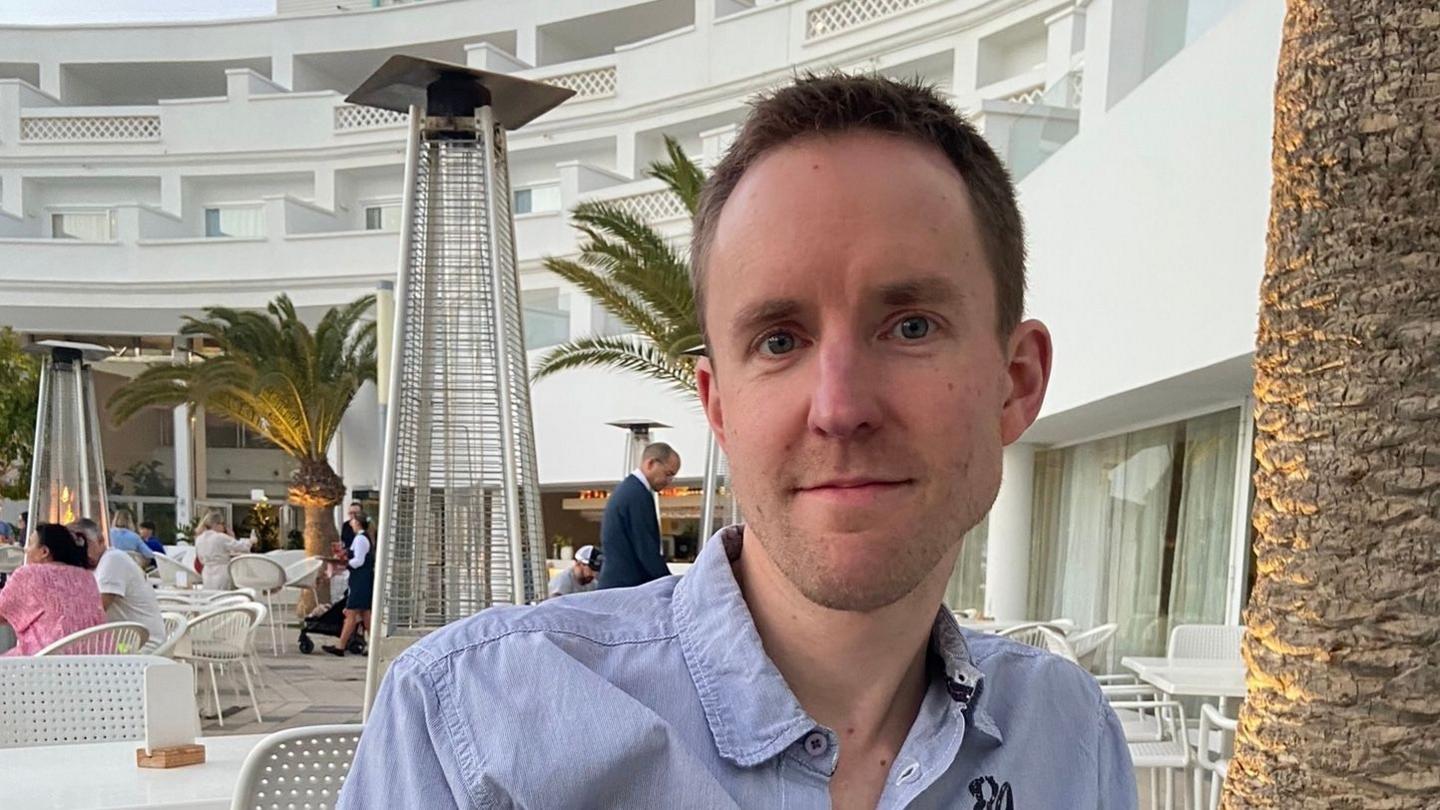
547, 317
247, 221
537, 199
382, 217
86, 226
603, 323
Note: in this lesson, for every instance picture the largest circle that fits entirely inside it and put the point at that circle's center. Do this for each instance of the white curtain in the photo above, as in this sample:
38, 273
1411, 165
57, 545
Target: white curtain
966, 588
1110, 521
242, 221
1202, 546
86, 226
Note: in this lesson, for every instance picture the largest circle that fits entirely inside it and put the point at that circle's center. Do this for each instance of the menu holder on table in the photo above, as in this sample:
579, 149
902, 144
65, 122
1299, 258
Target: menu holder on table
171, 723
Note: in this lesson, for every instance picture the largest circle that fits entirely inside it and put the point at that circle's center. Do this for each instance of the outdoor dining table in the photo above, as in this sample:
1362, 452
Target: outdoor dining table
1192, 677
103, 776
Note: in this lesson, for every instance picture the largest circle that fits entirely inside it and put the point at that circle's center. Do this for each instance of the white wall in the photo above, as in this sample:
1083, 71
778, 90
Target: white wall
1147, 231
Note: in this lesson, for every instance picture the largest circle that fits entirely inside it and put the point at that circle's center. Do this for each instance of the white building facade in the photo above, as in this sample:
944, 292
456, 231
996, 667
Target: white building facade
147, 171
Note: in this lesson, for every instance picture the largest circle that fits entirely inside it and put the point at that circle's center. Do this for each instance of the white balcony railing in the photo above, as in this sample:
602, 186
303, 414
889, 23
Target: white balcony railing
652, 206
352, 117
842, 15
89, 128
593, 83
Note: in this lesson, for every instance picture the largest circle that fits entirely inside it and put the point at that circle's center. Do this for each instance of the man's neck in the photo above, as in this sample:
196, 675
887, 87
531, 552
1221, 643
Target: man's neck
862, 675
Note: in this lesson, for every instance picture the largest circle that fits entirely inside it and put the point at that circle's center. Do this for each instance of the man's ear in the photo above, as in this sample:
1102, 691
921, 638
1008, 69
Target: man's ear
708, 387
1028, 374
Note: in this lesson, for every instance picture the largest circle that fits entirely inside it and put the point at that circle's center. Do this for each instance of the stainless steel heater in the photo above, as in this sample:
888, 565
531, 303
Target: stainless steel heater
460, 518
67, 478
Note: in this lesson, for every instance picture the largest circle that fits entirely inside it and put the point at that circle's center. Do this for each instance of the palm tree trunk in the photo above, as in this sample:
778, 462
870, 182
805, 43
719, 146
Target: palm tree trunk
1343, 646
320, 532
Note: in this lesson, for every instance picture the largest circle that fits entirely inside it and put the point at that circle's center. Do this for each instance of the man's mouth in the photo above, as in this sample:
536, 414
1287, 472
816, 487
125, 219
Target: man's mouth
855, 490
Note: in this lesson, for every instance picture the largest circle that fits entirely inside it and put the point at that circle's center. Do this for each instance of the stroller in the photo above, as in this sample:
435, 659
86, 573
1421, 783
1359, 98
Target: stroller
328, 621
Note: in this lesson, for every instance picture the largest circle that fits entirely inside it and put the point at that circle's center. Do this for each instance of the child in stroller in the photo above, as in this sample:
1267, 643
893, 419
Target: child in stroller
328, 620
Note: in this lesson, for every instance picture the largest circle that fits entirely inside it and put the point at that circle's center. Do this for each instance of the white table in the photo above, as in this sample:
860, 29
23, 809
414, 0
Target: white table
104, 776
1195, 677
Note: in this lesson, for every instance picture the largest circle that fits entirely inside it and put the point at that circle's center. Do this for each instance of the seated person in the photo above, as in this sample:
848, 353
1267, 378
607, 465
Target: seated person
53, 594
580, 575
7, 534
124, 538
147, 535
125, 594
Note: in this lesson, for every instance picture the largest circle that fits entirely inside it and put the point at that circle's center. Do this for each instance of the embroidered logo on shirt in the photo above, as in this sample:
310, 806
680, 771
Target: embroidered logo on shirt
991, 796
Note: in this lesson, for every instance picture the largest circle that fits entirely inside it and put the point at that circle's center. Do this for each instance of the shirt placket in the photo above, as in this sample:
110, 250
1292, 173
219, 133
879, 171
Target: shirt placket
806, 768
930, 749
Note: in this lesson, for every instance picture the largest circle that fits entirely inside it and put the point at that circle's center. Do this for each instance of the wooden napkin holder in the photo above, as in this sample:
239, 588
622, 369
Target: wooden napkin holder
174, 756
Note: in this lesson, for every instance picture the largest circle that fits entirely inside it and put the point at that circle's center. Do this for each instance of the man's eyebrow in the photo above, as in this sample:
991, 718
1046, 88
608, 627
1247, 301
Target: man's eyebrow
760, 313
932, 290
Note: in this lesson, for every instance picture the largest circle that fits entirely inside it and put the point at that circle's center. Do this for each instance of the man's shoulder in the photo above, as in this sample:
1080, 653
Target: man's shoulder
606, 618
1013, 670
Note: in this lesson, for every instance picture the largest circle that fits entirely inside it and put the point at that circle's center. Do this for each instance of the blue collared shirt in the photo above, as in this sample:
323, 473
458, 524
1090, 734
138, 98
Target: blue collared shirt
662, 696
126, 540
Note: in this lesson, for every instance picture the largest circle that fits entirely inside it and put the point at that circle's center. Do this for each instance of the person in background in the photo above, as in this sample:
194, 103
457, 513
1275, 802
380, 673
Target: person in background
22, 530
147, 535
630, 529
123, 536
53, 594
362, 580
7, 534
580, 576
347, 530
214, 548
124, 593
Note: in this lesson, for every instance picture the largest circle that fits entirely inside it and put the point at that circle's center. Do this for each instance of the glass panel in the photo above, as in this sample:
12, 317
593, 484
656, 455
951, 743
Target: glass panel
382, 218
372, 218
523, 201
212, 222
1207, 506
603, 323
86, 226
547, 317
545, 198
242, 222
220, 433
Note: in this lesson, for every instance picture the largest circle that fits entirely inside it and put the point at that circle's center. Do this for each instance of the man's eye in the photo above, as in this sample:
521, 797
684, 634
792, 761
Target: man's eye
914, 327
778, 343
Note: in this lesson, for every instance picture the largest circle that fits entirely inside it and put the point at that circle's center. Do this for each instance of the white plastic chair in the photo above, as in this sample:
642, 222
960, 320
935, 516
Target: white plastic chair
221, 638
1168, 754
173, 572
1039, 635
11, 558
112, 638
1089, 644
70, 699
1212, 754
1062, 626
286, 556
266, 577
175, 628
297, 767
1216, 641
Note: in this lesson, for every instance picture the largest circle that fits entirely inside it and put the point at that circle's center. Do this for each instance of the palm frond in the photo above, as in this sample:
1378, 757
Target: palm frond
680, 174
622, 352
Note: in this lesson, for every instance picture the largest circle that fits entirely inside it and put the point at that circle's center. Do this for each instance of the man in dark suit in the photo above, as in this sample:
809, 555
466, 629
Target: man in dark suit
630, 529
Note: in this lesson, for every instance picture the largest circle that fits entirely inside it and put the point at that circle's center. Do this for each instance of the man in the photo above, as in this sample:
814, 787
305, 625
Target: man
123, 536
147, 536
858, 263
124, 592
347, 532
580, 576
630, 529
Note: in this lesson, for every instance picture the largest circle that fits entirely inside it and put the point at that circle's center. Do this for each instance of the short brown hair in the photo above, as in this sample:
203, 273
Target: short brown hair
836, 103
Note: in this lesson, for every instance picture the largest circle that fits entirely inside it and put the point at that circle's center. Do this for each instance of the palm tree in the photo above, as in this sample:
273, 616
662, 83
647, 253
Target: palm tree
639, 277
277, 378
1343, 642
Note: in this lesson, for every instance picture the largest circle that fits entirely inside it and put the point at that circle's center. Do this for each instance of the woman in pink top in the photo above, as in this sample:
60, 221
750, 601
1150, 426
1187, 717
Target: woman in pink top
53, 594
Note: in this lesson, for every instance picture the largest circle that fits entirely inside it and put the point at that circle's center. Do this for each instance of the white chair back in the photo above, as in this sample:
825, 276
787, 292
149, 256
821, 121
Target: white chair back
257, 571
1089, 644
173, 572
11, 558
223, 634
113, 638
1041, 636
1217, 641
175, 627
302, 573
69, 699
296, 767
286, 556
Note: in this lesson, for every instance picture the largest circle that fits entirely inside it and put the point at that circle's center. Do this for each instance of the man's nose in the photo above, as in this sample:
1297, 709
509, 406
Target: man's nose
846, 401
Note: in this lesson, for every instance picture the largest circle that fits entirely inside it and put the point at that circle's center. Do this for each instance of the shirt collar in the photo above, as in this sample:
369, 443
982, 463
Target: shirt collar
751, 711
642, 478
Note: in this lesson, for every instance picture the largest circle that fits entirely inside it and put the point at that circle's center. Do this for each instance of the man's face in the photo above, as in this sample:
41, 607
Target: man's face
584, 574
95, 547
855, 378
661, 473
354, 511
145, 533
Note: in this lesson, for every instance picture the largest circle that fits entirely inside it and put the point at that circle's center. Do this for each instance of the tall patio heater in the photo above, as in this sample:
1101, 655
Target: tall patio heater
67, 477
459, 494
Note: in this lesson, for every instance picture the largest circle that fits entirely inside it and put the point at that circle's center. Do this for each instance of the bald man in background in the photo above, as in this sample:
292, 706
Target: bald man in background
630, 529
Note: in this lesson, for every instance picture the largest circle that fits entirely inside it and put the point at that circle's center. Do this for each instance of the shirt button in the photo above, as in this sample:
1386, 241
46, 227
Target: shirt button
816, 744
910, 773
